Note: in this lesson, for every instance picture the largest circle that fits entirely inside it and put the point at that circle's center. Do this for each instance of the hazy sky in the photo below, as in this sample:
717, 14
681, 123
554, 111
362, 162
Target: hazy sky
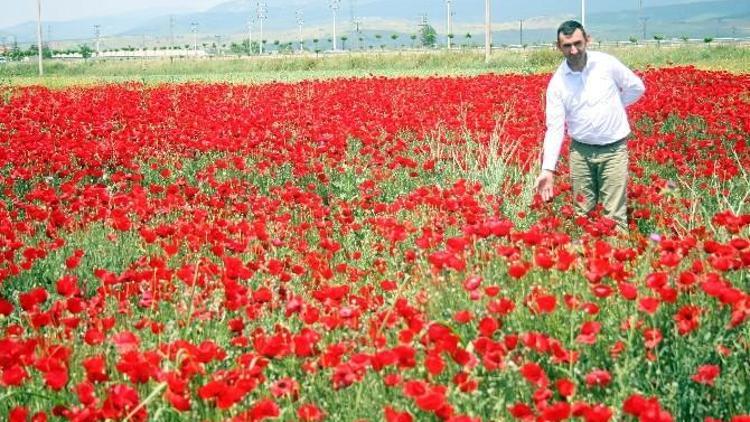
17, 11
13, 12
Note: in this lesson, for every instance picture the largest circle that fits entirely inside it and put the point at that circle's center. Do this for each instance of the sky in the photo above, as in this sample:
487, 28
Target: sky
13, 12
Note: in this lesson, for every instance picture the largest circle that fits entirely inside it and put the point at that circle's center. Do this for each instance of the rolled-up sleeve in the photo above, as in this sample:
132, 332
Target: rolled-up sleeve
553, 137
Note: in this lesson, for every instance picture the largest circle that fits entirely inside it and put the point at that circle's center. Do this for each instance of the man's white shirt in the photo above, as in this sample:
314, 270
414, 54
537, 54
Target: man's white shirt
591, 103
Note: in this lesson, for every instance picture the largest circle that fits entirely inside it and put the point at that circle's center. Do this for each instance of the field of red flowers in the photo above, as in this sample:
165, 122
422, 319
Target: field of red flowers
367, 249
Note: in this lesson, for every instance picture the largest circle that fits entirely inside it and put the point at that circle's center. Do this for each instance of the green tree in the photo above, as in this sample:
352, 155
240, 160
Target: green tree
428, 36
16, 53
85, 51
659, 38
343, 42
378, 37
286, 47
243, 48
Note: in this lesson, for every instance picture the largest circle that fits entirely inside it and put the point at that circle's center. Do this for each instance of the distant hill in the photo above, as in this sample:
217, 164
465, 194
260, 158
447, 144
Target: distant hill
606, 19
712, 19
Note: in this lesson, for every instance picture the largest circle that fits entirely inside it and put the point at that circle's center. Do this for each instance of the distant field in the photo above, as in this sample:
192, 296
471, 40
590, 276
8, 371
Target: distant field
735, 59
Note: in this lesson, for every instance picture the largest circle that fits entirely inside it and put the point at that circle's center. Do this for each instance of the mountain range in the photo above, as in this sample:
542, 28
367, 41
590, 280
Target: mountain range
607, 19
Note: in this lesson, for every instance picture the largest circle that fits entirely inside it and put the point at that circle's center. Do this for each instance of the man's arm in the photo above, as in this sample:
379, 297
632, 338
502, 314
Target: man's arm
553, 138
630, 85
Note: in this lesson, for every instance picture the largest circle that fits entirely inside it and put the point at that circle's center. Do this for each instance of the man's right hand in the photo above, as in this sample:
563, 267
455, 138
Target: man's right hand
544, 184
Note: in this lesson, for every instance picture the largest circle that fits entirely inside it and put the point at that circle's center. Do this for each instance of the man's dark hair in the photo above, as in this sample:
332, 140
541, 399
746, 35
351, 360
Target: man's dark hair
567, 28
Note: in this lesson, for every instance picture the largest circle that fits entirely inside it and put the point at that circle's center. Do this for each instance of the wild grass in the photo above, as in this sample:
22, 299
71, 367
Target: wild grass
290, 68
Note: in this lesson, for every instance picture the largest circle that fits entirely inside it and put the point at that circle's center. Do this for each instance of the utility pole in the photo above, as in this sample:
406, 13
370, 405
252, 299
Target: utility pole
487, 31
250, 23
334, 5
300, 21
262, 10
583, 13
39, 35
194, 30
449, 29
520, 32
642, 18
171, 32
97, 32
357, 22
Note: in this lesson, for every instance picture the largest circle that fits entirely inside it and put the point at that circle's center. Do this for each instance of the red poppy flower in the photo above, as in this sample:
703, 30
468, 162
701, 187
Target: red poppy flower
521, 411
589, 331
652, 337
534, 374
598, 378
309, 412
565, 387
687, 319
706, 374
392, 415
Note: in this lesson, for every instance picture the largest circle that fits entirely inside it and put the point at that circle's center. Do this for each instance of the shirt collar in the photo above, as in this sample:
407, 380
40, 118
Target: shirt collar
568, 71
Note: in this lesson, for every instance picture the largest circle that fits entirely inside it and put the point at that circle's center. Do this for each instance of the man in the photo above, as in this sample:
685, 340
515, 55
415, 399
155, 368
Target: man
588, 93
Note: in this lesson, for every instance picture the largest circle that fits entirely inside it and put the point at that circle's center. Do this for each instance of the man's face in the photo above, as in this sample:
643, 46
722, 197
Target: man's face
573, 47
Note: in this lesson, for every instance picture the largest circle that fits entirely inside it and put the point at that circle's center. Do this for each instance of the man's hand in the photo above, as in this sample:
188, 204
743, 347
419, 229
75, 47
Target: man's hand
545, 183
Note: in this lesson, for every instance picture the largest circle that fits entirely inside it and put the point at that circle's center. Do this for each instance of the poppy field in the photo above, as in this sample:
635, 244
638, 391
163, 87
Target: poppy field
367, 249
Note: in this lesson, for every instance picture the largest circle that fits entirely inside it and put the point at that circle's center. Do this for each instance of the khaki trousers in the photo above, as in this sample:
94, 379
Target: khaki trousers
599, 175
